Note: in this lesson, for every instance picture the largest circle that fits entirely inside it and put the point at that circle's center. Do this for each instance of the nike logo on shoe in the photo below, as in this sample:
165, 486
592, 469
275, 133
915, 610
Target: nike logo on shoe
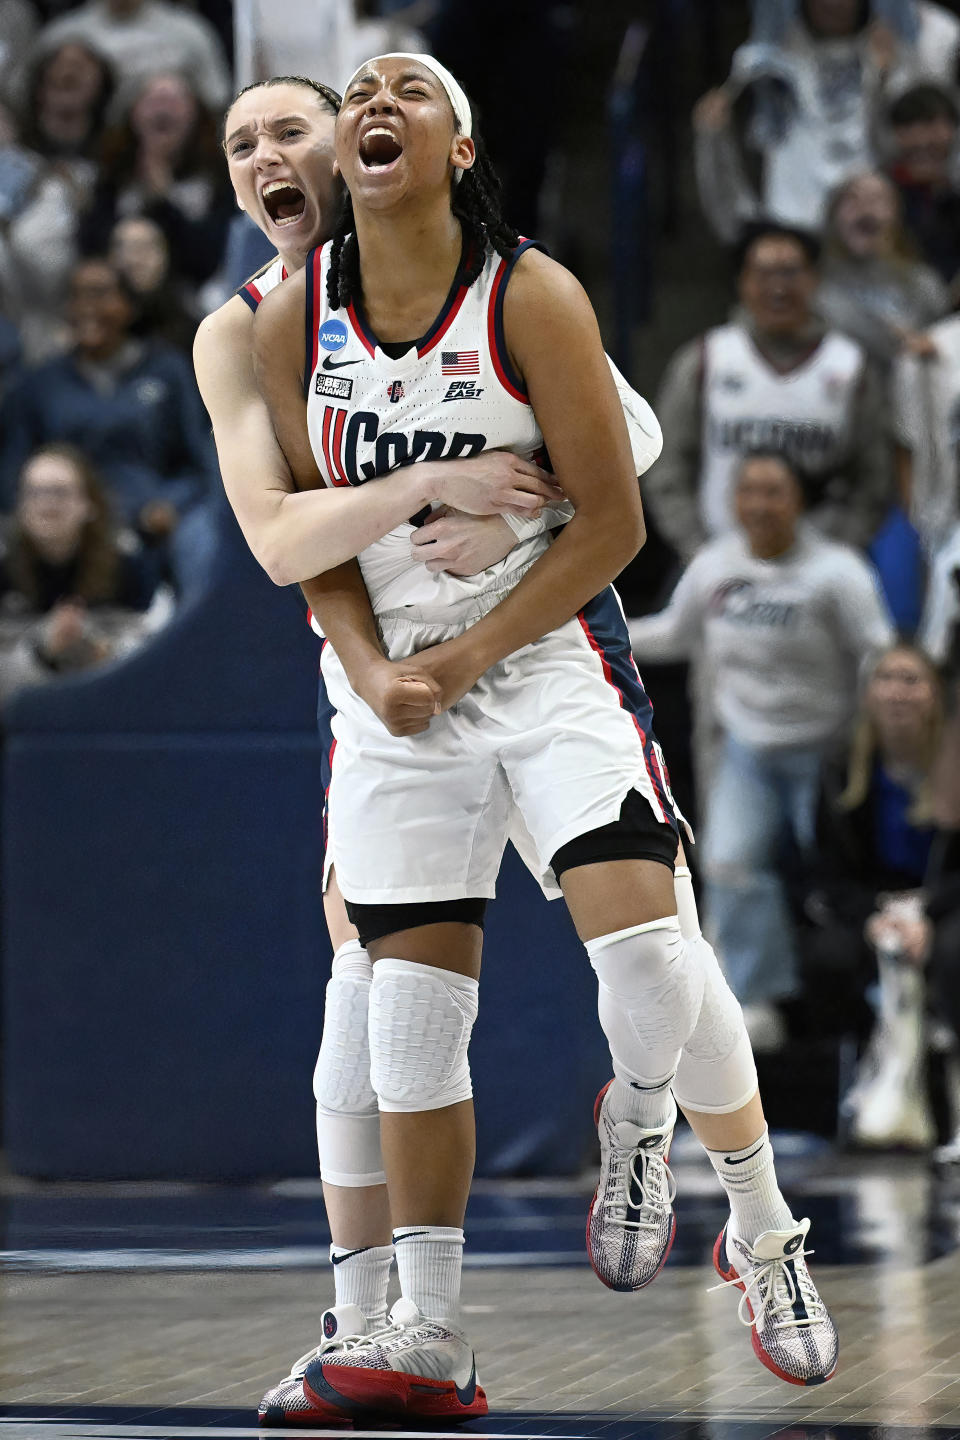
741, 1160
329, 364
468, 1393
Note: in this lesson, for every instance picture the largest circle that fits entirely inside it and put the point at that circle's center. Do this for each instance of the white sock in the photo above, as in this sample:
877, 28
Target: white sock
429, 1259
749, 1178
651, 1106
361, 1277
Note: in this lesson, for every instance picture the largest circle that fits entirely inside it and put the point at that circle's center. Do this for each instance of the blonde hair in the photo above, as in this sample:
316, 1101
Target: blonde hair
864, 745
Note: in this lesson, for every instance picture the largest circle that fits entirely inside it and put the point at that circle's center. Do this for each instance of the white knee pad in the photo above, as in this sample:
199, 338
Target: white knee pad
650, 991
716, 1073
348, 1121
421, 1018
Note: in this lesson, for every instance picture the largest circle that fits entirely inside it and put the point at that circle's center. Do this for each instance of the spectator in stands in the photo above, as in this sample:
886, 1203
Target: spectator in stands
164, 162
73, 592
133, 407
775, 376
783, 618
815, 73
871, 287
146, 37
874, 833
68, 95
138, 248
38, 223
923, 125
938, 627
926, 429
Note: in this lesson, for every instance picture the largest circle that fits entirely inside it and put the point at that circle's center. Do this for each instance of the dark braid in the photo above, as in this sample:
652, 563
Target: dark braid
331, 100
476, 201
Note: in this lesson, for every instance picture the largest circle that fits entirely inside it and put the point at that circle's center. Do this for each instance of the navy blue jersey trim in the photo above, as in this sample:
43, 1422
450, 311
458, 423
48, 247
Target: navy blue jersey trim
245, 295
308, 361
609, 629
498, 335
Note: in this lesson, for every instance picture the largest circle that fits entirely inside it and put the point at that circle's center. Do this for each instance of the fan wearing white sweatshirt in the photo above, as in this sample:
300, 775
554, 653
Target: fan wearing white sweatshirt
783, 620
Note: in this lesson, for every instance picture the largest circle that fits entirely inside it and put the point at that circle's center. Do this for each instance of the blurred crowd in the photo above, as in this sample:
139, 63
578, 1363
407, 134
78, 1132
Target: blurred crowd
808, 486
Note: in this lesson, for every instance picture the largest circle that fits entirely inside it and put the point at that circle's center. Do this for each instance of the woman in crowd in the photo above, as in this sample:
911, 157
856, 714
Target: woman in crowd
73, 591
68, 96
871, 287
874, 833
139, 250
163, 162
784, 618
133, 407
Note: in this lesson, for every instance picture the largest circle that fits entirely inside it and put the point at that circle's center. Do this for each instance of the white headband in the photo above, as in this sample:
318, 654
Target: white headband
458, 100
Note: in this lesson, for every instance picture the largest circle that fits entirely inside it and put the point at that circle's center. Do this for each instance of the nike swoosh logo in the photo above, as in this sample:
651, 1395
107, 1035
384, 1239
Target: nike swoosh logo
743, 1158
409, 1235
468, 1394
329, 364
347, 1255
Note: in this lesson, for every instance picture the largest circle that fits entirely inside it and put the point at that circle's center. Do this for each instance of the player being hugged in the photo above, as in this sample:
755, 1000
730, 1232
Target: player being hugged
278, 142
422, 332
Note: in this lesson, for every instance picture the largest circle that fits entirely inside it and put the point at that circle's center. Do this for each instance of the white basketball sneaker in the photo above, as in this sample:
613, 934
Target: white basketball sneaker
412, 1366
286, 1404
793, 1334
631, 1224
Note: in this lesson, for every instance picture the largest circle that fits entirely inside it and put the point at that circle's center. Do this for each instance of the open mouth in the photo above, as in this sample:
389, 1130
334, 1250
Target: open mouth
283, 201
379, 148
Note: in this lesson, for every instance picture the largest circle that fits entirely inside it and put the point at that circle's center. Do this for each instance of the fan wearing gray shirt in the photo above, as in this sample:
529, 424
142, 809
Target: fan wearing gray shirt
784, 619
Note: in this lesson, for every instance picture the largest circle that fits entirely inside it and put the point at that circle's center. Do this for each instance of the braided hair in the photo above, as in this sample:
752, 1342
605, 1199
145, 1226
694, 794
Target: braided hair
476, 202
330, 99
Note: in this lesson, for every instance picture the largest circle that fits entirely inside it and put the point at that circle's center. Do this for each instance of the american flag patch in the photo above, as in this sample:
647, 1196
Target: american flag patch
460, 362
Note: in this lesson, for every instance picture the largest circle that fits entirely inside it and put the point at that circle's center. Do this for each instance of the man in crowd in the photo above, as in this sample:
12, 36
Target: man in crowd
773, 377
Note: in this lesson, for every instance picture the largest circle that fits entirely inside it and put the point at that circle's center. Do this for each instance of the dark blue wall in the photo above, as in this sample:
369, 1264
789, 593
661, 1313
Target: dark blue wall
164, 946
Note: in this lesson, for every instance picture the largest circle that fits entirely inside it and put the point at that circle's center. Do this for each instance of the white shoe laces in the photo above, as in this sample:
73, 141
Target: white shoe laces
326, 1347
773, 1285
657, 1186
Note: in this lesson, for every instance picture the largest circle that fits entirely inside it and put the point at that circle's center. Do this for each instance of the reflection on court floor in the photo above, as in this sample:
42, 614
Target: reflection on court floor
160, 1312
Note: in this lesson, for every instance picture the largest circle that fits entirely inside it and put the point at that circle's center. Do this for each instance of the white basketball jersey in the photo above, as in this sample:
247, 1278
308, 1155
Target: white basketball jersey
263, 282
452, 394
748, 403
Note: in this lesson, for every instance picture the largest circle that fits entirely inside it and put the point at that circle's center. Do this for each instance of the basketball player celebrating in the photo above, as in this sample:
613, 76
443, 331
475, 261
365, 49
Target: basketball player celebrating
279, 152
279, 148
534, 707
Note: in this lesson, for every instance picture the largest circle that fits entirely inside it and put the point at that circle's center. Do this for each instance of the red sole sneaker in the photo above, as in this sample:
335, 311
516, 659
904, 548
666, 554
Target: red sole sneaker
719, 1256
354, 1388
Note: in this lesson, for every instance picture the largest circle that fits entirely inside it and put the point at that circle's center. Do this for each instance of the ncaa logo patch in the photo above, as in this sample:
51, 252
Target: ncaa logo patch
333, 335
